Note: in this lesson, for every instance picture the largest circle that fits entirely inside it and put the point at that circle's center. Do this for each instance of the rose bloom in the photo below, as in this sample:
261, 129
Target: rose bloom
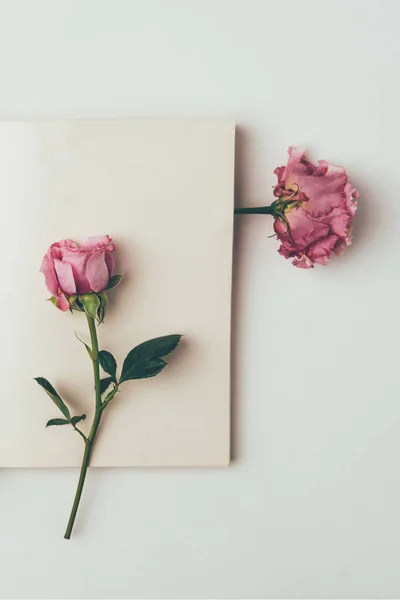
318, 205
71, 269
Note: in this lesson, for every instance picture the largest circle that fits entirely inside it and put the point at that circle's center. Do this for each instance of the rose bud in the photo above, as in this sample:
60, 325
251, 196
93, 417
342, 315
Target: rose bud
70, 269
314, 210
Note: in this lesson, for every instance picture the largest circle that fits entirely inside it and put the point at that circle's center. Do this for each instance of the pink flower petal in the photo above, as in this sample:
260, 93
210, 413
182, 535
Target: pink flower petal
110, 263
319, 205
303, 263
103, 242
97, 272
303, 231
50, 277
339, 221
78, 262
70, 244
71, 269
65, 277
62, 302
324, 185
319, 251
324, 192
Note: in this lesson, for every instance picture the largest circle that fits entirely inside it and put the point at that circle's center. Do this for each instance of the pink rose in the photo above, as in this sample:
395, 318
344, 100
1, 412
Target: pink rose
71, 269
314, 210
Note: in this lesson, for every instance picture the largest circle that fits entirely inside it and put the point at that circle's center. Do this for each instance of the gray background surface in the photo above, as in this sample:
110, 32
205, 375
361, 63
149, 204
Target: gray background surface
310, 505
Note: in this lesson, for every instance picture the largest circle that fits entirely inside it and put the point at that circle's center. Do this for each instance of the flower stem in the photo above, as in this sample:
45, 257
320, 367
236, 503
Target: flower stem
82, 477
95, 359
257, 210
95, 425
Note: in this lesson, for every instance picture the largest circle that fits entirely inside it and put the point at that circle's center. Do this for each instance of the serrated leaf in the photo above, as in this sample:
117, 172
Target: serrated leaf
90, 303
105, 383
50, 391
114, 281
57, 422
86, 346
144, 355
108, 362
103, 306
76, 420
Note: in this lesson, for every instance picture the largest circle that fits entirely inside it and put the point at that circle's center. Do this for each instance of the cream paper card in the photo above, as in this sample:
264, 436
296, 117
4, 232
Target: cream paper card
163, 190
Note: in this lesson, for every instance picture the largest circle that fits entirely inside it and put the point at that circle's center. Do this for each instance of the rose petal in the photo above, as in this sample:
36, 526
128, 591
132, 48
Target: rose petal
101, 241
303, 230
323, 185
78, 262
97, 272
339, 221
50, 277
62, 302
319, 251
65, 277
110, 263
320, 217
303, 263
324, 192
63, 248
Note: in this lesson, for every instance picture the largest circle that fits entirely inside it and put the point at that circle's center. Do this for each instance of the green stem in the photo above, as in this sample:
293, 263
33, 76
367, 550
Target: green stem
82, 477
109, 397
95, 358
95, 425
257, 210
83, 436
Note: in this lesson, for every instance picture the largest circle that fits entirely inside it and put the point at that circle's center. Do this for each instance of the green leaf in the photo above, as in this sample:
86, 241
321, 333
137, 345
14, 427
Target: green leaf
102, 311
145, 369
76, 420
114, 281
53, 300
50, 391
155, 348
57, 422
142, 357
105, 383
73, 302
86, 346
90, 303
108, 363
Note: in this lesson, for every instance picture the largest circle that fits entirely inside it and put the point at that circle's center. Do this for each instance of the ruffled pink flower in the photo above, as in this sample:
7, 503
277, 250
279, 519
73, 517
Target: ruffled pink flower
71, 269
318, 204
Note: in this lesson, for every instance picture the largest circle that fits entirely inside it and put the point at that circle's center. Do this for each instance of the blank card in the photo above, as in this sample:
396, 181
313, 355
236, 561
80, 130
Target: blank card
163, 191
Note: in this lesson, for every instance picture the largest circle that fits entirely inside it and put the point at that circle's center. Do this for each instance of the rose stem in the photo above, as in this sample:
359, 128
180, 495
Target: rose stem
258, 210
95, 425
